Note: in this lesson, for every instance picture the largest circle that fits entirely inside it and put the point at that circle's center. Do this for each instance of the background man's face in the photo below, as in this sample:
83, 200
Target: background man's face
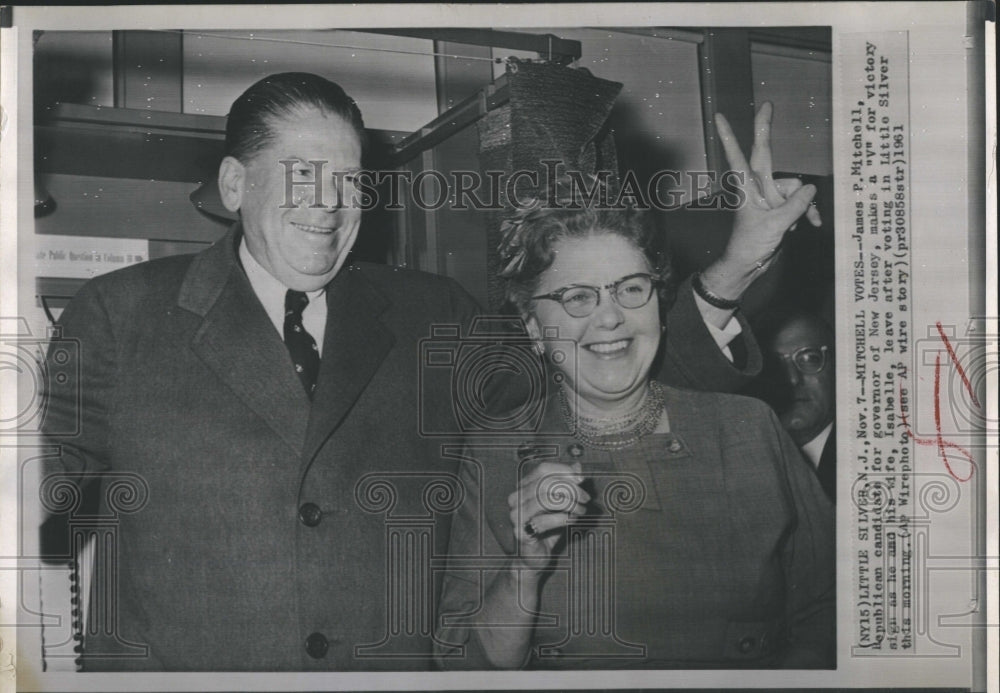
812, 397
301, 246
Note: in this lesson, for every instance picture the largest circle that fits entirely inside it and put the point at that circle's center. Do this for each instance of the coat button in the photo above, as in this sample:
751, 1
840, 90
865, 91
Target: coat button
674, 446
747, 644
575, 450
310, 514
317, 645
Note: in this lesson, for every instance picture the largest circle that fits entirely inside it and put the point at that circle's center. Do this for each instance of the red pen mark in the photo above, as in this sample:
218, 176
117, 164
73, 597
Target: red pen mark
954, 360
938, 440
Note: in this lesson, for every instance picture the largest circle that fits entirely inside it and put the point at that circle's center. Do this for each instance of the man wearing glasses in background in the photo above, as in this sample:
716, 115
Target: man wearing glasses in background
803, 361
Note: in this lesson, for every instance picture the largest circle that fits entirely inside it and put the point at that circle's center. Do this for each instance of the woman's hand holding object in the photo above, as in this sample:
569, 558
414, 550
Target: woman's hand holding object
549, 497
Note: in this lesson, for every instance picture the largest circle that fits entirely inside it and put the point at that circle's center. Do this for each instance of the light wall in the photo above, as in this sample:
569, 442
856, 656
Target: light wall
802, 126
390, 77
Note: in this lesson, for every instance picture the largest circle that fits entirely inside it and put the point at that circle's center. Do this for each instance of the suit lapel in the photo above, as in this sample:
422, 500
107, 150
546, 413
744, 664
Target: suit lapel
354, 345
238, 342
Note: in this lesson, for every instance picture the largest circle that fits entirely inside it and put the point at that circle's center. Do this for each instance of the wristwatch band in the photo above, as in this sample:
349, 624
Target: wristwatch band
711, 298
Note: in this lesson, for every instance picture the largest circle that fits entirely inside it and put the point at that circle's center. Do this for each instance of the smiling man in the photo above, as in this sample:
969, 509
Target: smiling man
248, 390
261, 401
303, 241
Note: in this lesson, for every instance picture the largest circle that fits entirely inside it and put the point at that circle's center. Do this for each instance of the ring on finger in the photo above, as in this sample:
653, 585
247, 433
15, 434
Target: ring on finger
529, 529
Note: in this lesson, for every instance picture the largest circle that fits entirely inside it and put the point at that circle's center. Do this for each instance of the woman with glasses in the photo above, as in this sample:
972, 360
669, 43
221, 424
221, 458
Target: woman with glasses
640, 525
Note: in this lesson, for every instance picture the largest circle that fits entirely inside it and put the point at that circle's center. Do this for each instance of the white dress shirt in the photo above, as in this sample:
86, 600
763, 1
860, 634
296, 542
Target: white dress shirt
271, 294
724, 336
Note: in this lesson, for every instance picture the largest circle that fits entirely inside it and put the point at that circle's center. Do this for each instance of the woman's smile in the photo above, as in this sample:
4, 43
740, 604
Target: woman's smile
616, 346
609, 350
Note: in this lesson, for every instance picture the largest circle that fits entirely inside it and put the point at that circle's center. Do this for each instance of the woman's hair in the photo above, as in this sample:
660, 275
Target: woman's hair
249, 126
530, 234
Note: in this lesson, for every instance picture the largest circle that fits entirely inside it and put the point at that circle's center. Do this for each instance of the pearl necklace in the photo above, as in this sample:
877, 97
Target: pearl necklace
618, 432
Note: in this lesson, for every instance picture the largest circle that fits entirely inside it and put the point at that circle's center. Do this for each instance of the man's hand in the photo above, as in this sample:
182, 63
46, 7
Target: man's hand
772, 207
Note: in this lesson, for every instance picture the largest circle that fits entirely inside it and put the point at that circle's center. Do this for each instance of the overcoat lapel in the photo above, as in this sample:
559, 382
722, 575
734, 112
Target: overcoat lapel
354, 345
238, 342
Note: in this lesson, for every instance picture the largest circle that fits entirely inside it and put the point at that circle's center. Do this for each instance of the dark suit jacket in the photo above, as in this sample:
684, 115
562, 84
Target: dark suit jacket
265, 533
826, 471
710, 546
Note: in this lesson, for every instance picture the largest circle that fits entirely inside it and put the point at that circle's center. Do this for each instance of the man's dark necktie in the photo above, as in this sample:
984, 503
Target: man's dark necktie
301, 345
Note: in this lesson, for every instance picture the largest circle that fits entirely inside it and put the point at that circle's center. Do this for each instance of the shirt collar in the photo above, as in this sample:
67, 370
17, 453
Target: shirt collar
263, 282
268, 289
